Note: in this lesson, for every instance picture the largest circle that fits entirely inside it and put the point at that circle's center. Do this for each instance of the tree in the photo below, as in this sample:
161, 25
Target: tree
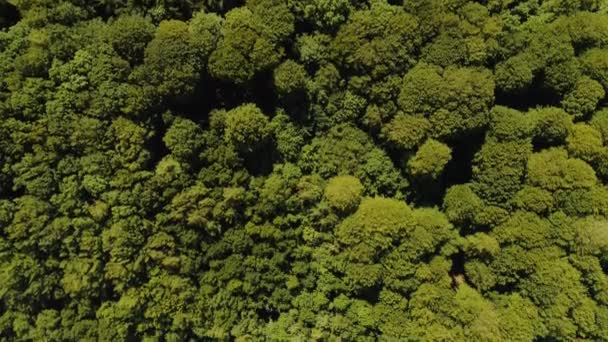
246, 128
249, 45
514, 74
32, 174
594, 65
600, 122
339, 152
479, 316
583, 100
461, 204
534, 199
430, 159
507, 124
368, 233
326, 15
172, 63
422, 90
205, 32
469, 97
590, 236
555, 288
130, 152
519, 318
553, 170
290, 77
407, 131
343, 192
289, 138
129, 35
184, 139
552, 125
585, 143
456, 100
361, 45
562, 76
499, 168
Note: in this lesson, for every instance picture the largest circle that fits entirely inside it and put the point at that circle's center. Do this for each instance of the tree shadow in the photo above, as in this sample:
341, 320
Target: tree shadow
9, 15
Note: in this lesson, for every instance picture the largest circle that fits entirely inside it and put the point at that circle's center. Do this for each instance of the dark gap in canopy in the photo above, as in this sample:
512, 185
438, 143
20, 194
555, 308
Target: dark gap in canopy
9, 15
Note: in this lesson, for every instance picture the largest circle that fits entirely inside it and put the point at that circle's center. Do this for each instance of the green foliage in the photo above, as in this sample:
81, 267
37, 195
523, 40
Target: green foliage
585, 142
290, 77
326, 14
552, 125
585, 97
514, 74
421, 92
430, 159
249, 43
534, 199
313, 48
289, 138
456, 100
246, 127
343, 192
556, 289
341, 152
521, 321
507, 124
591, 236
376, 224
499, 168
562, 76
205, 32
240, 170
595, 66
600, 123
407, 131
552, 170
378, 41
172, 63
129, 36
184, 139
461, 204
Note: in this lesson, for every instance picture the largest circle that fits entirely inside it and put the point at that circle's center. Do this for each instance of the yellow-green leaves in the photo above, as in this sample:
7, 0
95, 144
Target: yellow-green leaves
377, 223
129, 36
184, 139
552, 125
553, 170
584, 98
304, 170
455, 100
591, 236
430, 159
585, 142
514, 74
343, 192
205, 32
406, 131
509, 124
248, 46
290, 77
172, 63
246, 127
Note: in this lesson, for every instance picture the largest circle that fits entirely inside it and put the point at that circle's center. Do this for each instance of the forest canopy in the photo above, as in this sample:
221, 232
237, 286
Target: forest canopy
304, 170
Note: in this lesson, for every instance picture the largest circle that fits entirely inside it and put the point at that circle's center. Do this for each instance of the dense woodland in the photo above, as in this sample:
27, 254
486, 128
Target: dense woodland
303, 170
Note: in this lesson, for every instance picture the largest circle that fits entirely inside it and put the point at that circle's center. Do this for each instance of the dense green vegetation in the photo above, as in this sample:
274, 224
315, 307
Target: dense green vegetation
300, 170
